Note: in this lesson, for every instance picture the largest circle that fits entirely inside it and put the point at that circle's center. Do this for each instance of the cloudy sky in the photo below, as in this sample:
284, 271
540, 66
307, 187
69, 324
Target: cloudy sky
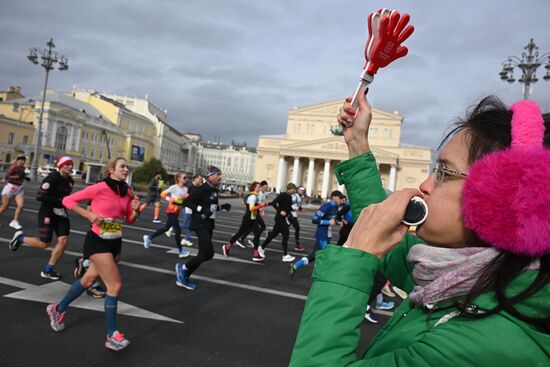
231, 69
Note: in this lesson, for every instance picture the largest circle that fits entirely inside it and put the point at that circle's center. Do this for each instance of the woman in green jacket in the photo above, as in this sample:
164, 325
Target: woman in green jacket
472, 303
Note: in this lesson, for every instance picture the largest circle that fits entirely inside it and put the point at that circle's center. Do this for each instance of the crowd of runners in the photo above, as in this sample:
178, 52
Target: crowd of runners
191, 206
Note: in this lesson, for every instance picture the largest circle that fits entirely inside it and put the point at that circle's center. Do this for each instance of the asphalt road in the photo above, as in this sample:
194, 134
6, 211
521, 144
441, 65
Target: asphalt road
242, 313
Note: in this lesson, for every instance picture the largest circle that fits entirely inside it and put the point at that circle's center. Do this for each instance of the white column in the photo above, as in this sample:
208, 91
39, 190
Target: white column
281, 174
391, 184
296, 171
310, 176
326, 179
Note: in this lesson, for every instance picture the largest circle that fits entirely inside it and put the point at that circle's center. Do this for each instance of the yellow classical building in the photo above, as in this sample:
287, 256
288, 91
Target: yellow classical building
90, 129
139, 132
16, 126
309, 151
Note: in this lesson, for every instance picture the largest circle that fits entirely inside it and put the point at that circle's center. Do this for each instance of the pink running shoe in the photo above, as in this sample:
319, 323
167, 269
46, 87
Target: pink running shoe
56, 318
117, 341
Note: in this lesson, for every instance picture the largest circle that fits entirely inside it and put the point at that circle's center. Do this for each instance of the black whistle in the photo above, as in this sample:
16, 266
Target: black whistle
416, 212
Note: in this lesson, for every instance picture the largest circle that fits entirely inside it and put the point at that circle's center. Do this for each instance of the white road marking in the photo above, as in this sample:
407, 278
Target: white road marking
53, 292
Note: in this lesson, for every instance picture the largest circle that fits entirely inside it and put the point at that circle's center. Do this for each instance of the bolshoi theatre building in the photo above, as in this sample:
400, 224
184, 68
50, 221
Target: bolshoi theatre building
309, 151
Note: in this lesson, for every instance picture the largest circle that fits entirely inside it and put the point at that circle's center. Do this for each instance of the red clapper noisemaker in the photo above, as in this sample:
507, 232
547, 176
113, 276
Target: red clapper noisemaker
387, 30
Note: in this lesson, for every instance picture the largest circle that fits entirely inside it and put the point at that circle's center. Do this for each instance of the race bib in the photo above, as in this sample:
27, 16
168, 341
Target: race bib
61, 212
110, 229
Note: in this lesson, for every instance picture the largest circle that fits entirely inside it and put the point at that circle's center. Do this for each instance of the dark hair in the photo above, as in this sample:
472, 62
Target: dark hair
252, 185
195, 177
488, 126
263, 183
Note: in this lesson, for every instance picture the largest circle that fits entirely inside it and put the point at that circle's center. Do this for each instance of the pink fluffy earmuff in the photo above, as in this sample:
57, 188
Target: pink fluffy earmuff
506, 197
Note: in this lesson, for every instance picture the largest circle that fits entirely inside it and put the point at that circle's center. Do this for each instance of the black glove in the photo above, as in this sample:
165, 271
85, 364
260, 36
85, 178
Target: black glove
226, 207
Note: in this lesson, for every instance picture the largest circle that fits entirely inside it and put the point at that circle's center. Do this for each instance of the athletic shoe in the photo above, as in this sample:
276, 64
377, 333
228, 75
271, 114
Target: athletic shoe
291, 271
79, 268
250, 243
401, 293
385, 305
156, 220
15, 242
56, 318
168, 233
256, 257
369, 316
15, 225
225, 251
185, 242
52, 274
288, 258
117, 341
239, 243
96, 291
184, 253
261, 252
182, 279
300, 247
147, 241
386, 291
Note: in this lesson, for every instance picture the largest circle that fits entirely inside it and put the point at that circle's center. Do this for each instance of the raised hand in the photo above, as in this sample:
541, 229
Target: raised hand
355, 125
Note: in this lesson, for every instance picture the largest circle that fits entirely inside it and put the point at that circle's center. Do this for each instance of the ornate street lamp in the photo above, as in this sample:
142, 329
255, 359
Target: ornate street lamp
48, 59
528, 65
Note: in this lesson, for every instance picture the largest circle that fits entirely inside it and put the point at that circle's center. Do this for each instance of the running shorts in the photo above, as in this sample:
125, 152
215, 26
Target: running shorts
11, 190
93, 244
152, 198
48, 223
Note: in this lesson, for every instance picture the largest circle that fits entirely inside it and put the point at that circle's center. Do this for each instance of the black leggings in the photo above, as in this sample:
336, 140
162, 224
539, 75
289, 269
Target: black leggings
281, 226
171, 222
294, 222
260, 226
244, 229
206, 250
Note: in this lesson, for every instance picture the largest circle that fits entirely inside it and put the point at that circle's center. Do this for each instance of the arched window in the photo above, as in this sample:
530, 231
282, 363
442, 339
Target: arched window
61, 138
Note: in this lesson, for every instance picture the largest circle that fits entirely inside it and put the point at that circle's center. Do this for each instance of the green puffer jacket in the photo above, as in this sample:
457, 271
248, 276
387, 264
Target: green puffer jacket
329, 331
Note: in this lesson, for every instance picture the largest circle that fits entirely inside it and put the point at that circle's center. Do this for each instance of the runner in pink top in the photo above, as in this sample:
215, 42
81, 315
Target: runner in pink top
112, 203
105, 203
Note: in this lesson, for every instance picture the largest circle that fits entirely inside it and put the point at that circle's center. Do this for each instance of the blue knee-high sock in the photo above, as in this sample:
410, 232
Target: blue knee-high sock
110, 313
74, 292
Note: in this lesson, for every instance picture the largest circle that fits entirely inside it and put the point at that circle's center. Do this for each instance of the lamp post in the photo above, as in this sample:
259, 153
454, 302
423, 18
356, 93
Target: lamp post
528, 64
49, 59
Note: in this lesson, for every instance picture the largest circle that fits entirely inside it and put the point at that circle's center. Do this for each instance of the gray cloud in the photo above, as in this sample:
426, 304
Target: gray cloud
233, 69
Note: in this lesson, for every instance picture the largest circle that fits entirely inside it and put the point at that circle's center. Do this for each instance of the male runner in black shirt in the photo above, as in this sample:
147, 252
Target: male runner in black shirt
52, 216
203, 201
283, 205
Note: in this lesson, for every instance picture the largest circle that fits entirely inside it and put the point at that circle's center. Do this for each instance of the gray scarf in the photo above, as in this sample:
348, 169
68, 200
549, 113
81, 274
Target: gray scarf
441, 274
